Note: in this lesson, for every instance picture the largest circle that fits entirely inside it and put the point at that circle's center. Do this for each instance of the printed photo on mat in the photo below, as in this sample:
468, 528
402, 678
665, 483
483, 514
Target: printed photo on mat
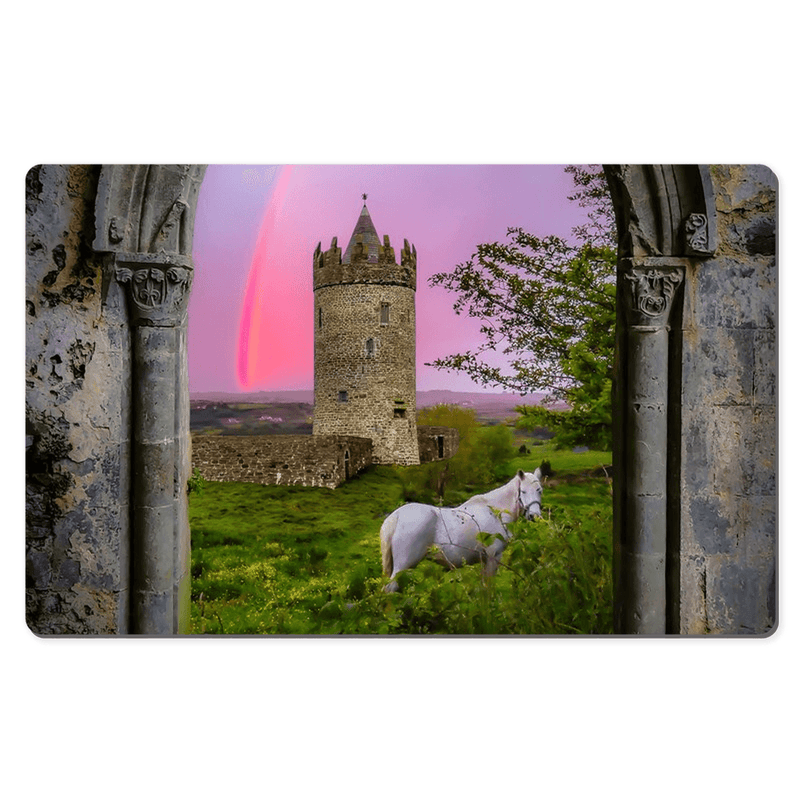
397, 400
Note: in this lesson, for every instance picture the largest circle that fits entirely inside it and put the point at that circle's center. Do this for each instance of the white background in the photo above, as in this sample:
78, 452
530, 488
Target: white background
416, 82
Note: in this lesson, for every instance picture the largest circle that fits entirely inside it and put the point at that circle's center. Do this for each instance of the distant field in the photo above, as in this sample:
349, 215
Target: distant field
250, 418
271, 413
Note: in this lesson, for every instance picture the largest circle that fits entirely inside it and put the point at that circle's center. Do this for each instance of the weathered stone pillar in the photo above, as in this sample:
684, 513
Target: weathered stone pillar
144, 221
649, 293
158, 292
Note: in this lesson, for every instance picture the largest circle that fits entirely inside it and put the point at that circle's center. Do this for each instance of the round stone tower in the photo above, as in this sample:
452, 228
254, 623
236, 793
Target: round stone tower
365, 380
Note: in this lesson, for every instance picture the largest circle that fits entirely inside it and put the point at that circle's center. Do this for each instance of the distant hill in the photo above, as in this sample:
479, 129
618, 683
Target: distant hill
431, 397
483, 399
291, 411
299, 396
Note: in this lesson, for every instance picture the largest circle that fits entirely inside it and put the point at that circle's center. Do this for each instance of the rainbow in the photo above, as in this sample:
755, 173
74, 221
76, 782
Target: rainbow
259, 348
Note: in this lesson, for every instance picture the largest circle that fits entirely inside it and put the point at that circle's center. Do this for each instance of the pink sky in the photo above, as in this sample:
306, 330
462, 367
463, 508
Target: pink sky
251, 309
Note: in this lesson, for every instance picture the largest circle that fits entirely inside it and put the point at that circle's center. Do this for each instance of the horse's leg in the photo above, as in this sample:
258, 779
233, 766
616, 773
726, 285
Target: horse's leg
493, 554
387, 559
413, 535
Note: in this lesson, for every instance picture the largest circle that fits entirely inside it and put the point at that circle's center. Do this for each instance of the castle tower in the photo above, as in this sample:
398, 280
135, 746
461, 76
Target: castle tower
365, 343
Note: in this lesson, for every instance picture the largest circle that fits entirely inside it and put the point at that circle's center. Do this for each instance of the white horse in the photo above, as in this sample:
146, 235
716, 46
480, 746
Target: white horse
409, 531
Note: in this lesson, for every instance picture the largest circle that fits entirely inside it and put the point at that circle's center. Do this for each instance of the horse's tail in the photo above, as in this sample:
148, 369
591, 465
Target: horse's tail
387, 532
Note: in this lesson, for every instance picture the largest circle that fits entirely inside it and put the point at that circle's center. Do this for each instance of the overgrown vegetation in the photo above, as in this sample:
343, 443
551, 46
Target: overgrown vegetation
292, 560
483, 457
196, 482
548, 303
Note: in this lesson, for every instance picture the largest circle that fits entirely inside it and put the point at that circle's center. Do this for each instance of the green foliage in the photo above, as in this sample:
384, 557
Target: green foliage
196, 483
482, 457
458, 417
294, 560
555, 578
495, 448
547, 303
564, 464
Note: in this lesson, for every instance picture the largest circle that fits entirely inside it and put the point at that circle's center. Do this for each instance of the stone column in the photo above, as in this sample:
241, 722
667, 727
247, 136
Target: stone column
648, 296
158, 292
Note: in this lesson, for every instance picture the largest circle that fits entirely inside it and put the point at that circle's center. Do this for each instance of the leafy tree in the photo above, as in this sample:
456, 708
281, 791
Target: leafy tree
548, 304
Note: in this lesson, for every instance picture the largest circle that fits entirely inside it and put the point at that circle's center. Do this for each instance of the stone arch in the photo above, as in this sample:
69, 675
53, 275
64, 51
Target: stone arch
668, 229
663, 210
694, 399
666, 221
694, 522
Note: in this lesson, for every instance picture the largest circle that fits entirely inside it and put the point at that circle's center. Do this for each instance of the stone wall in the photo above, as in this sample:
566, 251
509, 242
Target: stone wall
77, 409
290, 460
728, 423
436, 442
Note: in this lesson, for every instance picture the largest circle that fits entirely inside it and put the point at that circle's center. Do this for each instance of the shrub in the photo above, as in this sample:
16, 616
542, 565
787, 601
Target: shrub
555, 578
196, 483
481, 459
493, 450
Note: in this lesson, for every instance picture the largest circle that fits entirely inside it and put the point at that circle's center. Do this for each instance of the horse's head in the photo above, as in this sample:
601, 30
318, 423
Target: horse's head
530, 493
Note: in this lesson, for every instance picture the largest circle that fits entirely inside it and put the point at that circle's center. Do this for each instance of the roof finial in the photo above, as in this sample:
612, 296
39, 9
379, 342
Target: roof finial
364, 196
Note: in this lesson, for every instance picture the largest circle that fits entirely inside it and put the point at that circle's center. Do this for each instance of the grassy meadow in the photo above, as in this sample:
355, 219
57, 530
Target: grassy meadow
297, 560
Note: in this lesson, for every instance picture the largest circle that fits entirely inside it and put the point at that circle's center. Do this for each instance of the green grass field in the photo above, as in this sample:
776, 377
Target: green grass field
296, 560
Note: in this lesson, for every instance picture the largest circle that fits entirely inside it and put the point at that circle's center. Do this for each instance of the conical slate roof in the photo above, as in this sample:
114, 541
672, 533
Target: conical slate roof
371, 241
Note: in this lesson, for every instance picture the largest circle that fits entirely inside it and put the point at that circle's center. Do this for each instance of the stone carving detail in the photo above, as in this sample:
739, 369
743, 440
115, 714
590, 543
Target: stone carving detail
147, 208
159, 295
165, 236
115, 235
650, 294
697, 232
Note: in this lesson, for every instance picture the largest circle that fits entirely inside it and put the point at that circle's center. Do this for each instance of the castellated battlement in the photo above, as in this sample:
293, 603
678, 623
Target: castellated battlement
365, 261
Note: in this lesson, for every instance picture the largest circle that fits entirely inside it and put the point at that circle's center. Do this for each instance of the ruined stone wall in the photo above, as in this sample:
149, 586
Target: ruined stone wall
286, 460
436, 442
77, 414
726, 493
365, 370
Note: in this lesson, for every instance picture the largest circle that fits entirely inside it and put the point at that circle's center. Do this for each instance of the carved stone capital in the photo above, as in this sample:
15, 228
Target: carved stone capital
649, 295
158, 293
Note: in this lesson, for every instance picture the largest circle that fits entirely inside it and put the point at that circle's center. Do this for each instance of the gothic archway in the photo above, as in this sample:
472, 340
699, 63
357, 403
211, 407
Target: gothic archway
667, 224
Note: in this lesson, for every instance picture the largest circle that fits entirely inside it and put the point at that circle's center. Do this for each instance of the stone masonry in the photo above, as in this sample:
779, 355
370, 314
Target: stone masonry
695, 418
728, 415
107, 440
290, 460
364, 374
365, 344
78, 414
436, 442
298, 460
